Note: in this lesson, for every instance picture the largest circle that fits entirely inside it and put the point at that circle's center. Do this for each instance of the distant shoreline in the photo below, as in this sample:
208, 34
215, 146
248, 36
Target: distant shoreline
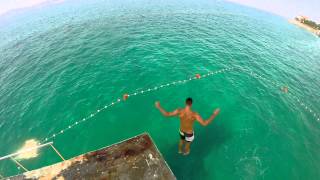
304, 26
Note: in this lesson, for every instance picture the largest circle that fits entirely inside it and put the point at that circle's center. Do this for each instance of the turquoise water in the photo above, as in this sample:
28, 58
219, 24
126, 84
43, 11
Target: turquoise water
59, 63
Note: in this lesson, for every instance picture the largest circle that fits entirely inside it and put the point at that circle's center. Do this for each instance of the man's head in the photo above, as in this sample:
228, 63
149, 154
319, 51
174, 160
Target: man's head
189, 101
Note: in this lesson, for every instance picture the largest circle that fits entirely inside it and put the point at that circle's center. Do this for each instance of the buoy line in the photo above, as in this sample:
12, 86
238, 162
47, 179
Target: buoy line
138, 92
299, 101
173, 83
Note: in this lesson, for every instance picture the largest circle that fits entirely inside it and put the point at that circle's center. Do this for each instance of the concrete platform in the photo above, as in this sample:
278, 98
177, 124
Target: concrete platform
135, 158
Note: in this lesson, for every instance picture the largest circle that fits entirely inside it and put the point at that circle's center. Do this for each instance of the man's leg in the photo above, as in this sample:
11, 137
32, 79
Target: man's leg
180, 145
189, 139
187, 148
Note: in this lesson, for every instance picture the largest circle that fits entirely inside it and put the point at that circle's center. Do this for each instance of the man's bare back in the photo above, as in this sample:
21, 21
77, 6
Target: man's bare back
187, 119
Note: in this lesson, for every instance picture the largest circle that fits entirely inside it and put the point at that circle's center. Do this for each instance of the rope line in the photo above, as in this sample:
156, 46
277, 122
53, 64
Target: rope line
136, 93
174, 83
300, 102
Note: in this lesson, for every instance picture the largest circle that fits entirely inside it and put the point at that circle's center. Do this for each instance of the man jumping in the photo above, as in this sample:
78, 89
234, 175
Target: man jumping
187, 118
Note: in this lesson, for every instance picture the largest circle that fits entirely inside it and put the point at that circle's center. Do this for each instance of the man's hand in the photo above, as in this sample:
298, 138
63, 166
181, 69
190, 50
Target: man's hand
157, 104
208, 121
216, 111
164, 112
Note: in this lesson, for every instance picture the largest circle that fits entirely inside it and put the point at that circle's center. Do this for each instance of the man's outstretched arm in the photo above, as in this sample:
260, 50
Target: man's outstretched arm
164, 112
208, 121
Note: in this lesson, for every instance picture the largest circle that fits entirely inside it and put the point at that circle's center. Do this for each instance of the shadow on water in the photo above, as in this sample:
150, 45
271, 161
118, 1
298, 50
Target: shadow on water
207, 141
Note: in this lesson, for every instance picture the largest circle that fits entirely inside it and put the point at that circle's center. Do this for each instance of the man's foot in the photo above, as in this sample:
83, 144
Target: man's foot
186, 153
180, 152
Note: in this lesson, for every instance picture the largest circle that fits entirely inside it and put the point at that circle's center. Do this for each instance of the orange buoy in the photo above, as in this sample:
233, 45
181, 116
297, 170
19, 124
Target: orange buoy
125, 97
198, 76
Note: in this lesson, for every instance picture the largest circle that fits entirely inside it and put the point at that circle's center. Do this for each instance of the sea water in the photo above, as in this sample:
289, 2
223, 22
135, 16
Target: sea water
61, 62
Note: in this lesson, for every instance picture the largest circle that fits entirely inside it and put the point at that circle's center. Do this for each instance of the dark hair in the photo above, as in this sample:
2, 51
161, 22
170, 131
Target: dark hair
189, 101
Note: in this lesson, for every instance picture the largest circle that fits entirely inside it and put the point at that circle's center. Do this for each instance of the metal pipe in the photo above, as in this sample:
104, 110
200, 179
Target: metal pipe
24, 151
57, 152
25, 169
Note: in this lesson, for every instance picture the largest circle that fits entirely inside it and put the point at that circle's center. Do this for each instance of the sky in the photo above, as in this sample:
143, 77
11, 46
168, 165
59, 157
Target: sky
11, 5
286, 8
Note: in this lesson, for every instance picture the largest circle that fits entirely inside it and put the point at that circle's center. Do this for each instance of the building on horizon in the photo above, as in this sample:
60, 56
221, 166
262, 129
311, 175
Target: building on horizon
302, 18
